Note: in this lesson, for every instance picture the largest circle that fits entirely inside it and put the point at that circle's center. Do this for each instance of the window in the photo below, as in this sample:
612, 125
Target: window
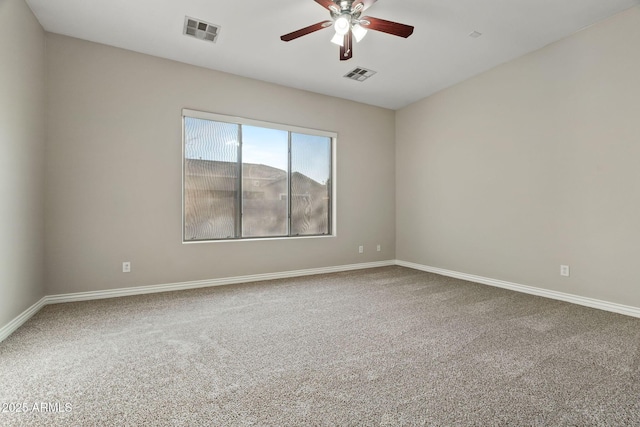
248, 179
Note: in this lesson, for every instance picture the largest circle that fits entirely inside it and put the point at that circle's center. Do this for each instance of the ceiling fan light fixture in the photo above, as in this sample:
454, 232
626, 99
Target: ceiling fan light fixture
338, 39
358, 32
343, 24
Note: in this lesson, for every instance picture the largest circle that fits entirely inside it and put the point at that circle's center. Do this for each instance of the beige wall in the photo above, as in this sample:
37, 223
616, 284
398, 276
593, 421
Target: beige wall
21, 160
114, 171
531, 165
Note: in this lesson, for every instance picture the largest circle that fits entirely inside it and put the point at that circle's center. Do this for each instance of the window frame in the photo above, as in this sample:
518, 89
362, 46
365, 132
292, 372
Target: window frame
240, 121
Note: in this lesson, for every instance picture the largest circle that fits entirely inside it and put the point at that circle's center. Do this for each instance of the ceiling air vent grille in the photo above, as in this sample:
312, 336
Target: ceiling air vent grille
201, 29
359, 74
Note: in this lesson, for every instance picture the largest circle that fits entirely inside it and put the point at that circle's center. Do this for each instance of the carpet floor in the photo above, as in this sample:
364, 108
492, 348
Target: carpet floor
388, 346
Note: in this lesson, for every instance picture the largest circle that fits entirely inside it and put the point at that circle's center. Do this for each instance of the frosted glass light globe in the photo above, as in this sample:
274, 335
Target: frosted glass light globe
342, 25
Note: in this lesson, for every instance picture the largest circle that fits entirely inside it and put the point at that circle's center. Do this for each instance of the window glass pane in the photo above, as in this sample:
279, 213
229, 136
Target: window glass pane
210, 179
264, 182
310, 184
249, 179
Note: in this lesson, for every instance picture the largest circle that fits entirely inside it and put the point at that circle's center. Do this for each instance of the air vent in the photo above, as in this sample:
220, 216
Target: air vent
359, 74
200, 29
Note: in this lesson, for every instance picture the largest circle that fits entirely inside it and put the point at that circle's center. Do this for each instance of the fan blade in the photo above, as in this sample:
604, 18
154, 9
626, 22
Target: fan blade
306, 30
365, 3
327, 4
389, 27
346, 50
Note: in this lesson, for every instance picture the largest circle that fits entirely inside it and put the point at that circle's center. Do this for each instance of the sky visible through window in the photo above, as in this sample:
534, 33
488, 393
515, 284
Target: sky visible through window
264, 146
260, 146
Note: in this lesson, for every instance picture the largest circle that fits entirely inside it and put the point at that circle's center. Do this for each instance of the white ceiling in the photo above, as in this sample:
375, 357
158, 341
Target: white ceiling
438, 54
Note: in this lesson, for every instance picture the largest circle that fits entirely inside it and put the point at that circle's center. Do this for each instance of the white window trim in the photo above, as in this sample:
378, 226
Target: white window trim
289, 128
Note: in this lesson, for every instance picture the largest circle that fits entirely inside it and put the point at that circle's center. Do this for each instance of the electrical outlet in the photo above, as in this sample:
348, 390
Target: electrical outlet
564, 270
126, 267
378, 248
361, 249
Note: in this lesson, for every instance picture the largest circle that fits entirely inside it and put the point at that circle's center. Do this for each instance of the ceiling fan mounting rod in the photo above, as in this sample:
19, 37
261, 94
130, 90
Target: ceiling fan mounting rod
345, 4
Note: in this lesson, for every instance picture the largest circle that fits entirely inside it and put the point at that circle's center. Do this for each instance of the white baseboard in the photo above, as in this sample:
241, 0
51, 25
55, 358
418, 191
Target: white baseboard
8, 329
575, 299
181, 286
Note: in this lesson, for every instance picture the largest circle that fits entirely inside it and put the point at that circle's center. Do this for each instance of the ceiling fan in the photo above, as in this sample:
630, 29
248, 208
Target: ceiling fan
348, 24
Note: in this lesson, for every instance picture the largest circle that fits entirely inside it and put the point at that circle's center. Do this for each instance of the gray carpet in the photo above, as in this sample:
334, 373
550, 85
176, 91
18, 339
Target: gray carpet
381, 347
